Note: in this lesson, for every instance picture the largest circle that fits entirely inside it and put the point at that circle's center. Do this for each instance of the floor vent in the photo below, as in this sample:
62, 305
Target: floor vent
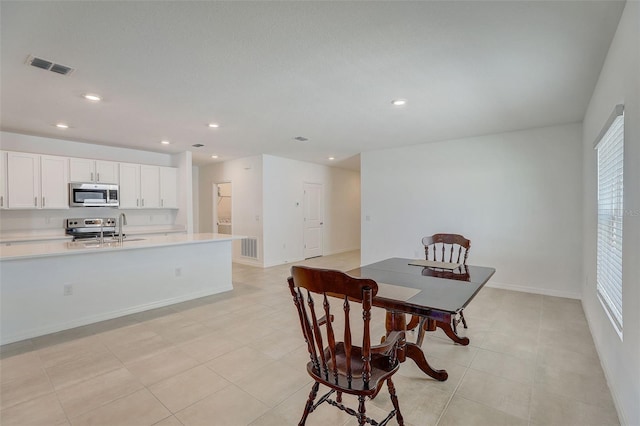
249, 247
49, 66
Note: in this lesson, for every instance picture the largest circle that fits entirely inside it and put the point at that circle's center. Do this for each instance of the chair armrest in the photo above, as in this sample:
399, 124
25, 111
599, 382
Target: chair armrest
391, 340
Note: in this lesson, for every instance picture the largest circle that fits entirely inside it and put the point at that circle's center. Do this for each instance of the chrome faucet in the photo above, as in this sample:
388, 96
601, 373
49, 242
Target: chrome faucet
122, 220
101, 231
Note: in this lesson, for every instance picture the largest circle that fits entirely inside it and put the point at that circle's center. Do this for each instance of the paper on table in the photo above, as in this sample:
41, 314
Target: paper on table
396, 292
434, 264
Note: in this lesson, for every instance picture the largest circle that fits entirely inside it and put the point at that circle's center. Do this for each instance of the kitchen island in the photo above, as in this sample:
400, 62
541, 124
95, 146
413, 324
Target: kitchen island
48, 287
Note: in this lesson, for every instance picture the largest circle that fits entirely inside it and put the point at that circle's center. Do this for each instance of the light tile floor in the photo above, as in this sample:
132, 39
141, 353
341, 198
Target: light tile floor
238, 358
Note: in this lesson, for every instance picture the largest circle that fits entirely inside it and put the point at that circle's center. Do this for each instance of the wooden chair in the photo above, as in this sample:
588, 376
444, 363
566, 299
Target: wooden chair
452, 248
342, 366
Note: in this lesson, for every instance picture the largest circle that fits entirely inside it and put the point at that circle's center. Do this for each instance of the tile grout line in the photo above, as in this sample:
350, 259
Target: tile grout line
538, 342
455, 390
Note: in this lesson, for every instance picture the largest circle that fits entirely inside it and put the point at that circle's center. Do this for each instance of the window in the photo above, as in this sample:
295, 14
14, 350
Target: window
610, 151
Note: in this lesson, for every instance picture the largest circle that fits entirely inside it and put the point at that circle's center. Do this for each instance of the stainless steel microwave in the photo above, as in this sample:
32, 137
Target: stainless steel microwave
93, 195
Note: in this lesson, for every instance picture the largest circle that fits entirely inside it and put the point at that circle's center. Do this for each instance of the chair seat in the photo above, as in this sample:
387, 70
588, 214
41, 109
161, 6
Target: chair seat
381, 369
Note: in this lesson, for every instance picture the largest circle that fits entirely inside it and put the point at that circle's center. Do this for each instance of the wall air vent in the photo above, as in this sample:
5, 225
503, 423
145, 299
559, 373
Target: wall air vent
197, 145
49, 66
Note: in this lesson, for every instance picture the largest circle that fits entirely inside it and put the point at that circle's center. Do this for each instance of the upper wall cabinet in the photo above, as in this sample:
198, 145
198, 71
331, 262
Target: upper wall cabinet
129, 186
3, 180
86, 170
169, 187
148, 187
37, 181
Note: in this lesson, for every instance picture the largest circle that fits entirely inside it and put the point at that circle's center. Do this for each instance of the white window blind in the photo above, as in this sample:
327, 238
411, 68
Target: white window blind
610, 150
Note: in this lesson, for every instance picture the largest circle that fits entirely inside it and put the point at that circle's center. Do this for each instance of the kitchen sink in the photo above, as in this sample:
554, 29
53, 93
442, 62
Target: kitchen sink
108, 242
115, 240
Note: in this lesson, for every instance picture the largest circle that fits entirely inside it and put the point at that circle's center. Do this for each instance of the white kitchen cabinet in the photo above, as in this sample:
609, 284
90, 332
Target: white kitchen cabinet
149, 187
23, 180
169, 187
129, 186
37, 181
3, 180
87, 170
54, 172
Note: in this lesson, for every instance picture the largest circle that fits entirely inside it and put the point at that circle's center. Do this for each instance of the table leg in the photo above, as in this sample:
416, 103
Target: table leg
429, 324
448, 330
396, 321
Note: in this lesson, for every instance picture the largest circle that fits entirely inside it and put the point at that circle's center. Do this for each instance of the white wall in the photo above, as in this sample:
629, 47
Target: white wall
284, 181
195, 182
40, 145
517, 196
267, 196
619, 83
52, 220
245, 175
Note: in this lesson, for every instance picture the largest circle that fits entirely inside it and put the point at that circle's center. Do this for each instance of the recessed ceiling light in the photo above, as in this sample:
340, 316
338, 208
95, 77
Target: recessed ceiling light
214, 125
92, 97
399, 102
62, 126
165, 142
332, 158
214, 156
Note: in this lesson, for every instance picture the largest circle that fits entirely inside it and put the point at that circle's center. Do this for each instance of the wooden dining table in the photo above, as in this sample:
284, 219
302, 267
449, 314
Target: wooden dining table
434, 293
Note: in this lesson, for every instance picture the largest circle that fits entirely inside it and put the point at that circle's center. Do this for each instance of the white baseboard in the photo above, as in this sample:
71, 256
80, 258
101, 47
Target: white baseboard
607, 373
41, 331
535, 290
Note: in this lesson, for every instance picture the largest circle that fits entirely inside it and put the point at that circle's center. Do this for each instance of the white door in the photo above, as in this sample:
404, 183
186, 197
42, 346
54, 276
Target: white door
313, 219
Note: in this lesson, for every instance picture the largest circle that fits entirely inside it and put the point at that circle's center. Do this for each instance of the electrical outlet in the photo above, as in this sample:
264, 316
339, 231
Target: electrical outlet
67, 290
178, 272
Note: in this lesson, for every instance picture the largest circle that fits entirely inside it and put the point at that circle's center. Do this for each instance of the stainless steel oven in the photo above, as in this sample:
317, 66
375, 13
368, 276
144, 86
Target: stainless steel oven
93, 195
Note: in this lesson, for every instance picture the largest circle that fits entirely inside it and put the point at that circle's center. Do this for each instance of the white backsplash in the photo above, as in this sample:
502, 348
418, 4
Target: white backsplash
51, 220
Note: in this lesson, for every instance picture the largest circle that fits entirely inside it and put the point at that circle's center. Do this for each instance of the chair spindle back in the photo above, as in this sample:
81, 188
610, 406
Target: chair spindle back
304, 283
453, 248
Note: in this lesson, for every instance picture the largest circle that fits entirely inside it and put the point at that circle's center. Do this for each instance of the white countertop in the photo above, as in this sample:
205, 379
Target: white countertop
63, 248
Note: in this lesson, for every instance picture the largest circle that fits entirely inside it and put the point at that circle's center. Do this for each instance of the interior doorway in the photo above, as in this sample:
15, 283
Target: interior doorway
222, 208
313, 220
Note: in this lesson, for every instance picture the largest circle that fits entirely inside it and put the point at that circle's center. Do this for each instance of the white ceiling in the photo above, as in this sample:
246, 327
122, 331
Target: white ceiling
270, 71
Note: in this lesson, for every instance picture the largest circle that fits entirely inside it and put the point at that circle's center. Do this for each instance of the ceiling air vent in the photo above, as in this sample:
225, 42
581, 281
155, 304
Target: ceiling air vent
197, 145
49, 66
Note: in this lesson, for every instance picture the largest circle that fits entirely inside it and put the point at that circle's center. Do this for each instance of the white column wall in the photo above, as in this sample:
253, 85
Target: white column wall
245, 175
619, 83
517, 196
284, 181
